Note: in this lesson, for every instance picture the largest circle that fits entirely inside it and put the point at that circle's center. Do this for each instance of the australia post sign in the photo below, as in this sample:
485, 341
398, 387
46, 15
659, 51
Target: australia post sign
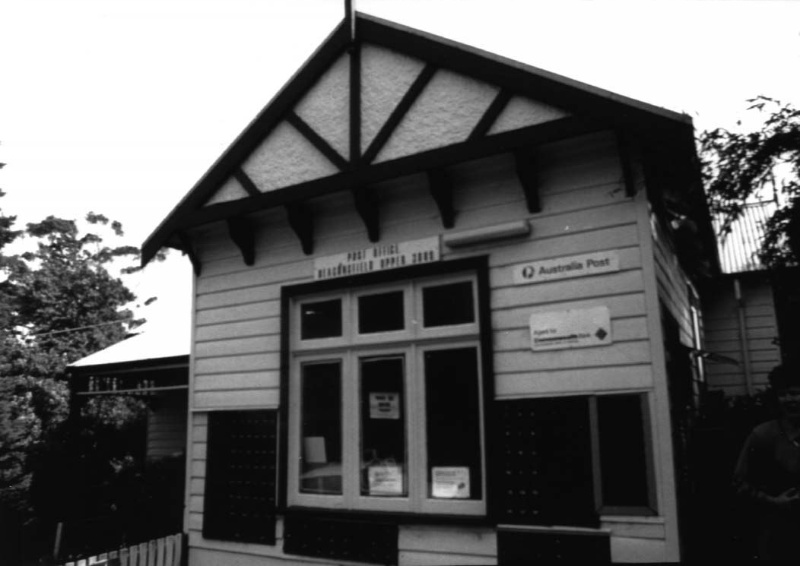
567, 267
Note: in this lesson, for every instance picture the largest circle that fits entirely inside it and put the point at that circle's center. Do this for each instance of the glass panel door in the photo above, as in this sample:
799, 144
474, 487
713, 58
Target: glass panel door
383, 427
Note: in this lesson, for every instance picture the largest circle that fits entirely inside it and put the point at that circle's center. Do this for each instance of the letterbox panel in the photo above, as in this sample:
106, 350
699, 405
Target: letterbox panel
519, 547
341, 539
240, 495
543, 473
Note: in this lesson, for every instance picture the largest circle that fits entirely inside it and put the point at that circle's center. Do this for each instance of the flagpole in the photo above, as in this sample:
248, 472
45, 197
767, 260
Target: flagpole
349, 16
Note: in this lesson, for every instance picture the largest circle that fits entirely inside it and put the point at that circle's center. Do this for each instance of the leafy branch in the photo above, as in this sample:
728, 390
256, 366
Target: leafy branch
741, 167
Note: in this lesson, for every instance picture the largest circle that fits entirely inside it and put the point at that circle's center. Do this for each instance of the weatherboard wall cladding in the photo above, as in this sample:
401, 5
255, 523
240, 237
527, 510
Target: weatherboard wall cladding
584, 209
724, 334
166, 427
673, 284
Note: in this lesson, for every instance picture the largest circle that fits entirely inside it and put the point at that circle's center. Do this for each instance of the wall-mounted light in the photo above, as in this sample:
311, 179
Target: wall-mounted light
518, 229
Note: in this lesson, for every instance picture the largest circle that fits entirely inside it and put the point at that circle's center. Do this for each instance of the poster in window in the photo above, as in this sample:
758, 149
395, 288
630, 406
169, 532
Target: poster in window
384, 406
450, 482
385, 479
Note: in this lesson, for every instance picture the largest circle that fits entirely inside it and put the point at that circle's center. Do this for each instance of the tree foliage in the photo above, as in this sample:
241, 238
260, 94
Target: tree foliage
739, 167
59, 302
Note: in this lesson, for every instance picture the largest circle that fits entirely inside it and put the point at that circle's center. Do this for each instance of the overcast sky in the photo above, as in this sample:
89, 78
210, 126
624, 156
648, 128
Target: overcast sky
119, 106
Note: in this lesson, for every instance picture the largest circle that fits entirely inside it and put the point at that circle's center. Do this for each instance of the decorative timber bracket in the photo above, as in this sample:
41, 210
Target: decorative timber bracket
441, 188
527, 171
302, 222
367, 206
242, 233
187, 247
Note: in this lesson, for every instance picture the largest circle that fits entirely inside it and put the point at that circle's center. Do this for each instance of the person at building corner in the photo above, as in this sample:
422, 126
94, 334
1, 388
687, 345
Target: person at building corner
767, 473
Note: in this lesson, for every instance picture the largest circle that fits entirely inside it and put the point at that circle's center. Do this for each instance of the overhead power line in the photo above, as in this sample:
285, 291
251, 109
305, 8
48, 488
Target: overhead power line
89, 327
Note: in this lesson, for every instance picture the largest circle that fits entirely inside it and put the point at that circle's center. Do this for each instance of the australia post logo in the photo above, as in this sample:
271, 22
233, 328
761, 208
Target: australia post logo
567, 267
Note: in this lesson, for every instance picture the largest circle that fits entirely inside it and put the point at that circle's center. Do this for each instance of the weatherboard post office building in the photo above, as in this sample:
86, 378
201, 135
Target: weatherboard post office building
441, 315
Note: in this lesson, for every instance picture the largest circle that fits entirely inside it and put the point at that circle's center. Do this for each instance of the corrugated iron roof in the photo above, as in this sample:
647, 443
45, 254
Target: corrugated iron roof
738, 250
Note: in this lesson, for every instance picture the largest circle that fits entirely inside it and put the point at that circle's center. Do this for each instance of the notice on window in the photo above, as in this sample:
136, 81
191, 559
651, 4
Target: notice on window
314, 450
450, 483
377, 258
385, 479
384, 406
580, 328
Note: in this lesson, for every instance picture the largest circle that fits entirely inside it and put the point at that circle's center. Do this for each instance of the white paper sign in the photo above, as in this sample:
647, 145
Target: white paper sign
450, 483
385, 480
314, 450
566, 267
571, 329
384, 405
378, 258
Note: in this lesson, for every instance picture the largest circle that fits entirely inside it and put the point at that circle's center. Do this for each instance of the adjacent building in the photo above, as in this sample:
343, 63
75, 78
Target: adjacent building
750, 312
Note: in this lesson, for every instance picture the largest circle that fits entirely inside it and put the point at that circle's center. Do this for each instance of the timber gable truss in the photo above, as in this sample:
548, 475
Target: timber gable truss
391, 102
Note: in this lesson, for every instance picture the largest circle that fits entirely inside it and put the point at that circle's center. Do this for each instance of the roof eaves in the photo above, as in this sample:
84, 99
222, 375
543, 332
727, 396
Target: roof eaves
132, 366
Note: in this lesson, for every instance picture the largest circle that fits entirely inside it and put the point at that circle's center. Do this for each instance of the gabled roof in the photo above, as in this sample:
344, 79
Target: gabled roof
152, 346
391, 102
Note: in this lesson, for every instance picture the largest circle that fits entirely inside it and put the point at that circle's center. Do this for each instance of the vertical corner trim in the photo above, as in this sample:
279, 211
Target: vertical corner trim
302, 222
242, 233
441, 188
367, 207
187, 247
527, 171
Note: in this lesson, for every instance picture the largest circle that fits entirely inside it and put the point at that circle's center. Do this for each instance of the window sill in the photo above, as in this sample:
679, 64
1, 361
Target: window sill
617, 526
388, 516
626, 512
639, 519
635, 526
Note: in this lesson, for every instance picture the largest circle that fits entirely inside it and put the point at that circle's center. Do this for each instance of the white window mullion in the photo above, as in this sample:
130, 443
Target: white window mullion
351, 439
349, 318
293, 467
421, 470
417, 473
411, 416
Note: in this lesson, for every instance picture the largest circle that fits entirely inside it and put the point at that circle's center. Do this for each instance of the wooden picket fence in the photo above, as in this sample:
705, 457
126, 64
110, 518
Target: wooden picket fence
165, 551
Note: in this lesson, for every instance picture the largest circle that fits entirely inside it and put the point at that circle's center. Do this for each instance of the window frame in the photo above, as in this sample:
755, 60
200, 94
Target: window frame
411, 342
604, 509
380, 337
